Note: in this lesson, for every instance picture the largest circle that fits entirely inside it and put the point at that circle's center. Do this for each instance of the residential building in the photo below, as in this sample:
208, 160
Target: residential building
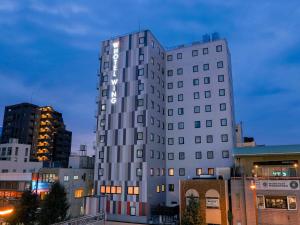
54, 141
40, 127
20, 122
78, 183
265, 187
163, 116
15, 158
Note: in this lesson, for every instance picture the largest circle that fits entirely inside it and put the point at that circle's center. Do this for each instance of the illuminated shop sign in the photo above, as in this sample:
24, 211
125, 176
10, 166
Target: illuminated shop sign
114, 80
285, 185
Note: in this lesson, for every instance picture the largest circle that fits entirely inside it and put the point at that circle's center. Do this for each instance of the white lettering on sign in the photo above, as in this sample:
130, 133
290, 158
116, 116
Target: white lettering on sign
114, 80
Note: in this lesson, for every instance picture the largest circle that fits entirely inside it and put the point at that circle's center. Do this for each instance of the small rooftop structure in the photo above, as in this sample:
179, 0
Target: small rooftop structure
267, 150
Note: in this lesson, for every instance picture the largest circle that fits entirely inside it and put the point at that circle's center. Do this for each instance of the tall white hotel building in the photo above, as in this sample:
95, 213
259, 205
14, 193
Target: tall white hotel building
164, 115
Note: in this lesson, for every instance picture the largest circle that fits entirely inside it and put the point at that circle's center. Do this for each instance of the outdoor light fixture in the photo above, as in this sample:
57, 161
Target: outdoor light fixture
6, 212
252, 185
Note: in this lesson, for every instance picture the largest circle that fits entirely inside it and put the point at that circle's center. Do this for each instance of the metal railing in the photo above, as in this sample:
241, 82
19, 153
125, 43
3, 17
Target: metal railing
85, 220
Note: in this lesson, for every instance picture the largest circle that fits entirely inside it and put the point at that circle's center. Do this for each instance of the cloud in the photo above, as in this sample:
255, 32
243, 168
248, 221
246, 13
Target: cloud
61, 9
8, 6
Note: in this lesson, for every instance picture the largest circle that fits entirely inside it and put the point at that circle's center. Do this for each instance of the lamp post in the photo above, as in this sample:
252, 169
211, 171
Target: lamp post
253, 189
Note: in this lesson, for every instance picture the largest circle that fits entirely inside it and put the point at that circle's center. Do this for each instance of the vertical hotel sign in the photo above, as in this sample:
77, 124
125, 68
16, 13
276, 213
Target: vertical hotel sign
114, 79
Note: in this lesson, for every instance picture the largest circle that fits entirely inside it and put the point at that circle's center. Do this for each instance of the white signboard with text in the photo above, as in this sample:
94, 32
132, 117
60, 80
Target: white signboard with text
277, 185
212, 203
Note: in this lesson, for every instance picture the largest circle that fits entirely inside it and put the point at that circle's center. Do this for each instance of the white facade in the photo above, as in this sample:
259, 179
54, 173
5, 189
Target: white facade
148, 113
14, 158
200, 121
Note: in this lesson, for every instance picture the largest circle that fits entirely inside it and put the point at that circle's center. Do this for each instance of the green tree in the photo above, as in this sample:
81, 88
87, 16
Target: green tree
25, 211
54, 207
191, 215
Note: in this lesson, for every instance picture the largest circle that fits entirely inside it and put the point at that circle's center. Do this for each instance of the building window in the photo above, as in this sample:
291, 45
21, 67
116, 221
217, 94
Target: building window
181, 140
157, 188
210, 154
196, 95
211, 171
223, 122
141, 72
103, 107
197, 139
133, 190
75, 177
170, 85
140, 118
151, 154
195, 82
170, 126
139, 172
170, 141
195, 53
141, 87
222, 106
180, 125
141, 57
163, 189
179, 71
198, 155
206, 67
170, 98
179, 84
206, 80
207, 108
207, 94
140, 135
220, 64
220, 78
170, 156
197, 124
171, 171
180, 111
78, 193
195, 68
66, 178
198, 171
141, 40
102, 138
205, 51
170, 73
208, 123
225, 154
169, 57
180, 97
181, 171
219, 48
179, 55
224, 137
209, 139
181, 156
139, 153
170, 112
171, 187
151, 137
221, 92
140, 102
197, 109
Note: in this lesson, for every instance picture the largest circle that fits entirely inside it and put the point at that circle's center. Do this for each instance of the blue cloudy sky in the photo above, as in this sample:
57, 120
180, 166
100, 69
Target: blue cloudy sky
49, 52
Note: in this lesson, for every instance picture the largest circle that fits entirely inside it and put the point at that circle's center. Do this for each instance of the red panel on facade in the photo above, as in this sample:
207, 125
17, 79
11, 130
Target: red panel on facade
119, 207
128, 208
141, 209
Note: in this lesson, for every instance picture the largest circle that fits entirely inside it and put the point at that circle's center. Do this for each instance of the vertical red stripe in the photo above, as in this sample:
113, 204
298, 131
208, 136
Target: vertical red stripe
140, 209
128, 208
108, 206
119, 207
